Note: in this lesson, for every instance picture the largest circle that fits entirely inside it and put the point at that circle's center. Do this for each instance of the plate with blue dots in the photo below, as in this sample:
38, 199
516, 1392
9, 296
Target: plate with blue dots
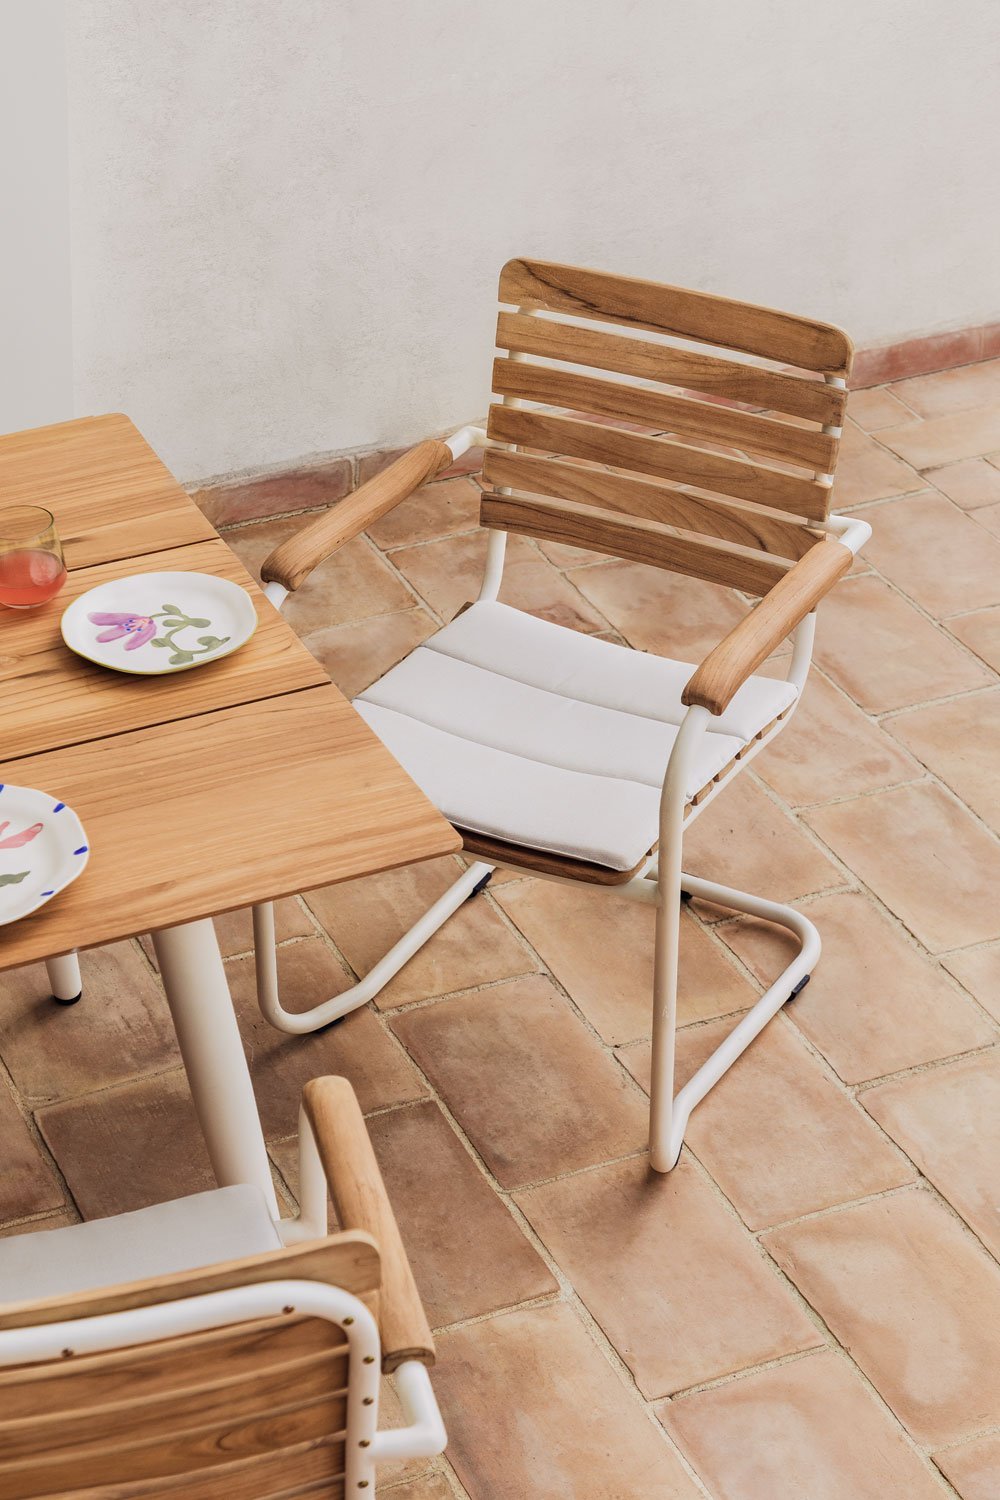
43, 848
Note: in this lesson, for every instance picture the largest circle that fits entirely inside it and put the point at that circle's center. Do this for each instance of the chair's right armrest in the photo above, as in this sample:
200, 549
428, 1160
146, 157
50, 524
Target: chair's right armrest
291, 563
361, 1202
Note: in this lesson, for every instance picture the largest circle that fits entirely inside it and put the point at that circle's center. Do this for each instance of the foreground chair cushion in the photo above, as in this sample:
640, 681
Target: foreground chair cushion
531, 733
189, 1232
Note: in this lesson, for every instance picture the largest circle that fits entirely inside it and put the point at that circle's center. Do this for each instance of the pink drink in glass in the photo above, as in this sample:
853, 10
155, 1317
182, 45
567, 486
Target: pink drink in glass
32, 570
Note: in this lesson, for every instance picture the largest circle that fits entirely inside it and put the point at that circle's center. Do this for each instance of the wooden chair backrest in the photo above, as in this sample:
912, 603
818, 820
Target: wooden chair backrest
714, 487
250, 1412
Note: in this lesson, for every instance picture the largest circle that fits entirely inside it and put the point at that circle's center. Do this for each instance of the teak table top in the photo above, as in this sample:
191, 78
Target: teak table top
244, 780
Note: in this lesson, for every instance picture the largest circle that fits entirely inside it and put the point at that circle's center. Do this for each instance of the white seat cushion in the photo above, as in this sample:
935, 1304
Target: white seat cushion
179, 1236
538, 735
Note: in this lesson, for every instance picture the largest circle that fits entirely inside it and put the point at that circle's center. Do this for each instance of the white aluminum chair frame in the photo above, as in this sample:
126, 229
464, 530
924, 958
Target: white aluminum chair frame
424, 1434
661, 882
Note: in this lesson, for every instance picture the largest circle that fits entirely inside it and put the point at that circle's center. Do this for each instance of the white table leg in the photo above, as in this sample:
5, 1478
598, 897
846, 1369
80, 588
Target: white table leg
64, 978
209, 1038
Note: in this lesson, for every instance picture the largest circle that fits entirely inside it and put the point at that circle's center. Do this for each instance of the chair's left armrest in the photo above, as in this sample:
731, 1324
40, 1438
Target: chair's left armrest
727, 666
361, 1202
293, 560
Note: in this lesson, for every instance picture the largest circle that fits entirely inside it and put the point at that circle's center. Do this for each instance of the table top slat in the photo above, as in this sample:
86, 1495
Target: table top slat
109, 493
213, 813
51, 697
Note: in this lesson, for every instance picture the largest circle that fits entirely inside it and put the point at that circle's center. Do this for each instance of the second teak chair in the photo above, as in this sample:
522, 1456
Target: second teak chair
660, 426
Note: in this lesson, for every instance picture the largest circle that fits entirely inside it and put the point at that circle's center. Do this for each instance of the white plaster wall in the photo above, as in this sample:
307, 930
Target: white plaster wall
288, 215
36, 352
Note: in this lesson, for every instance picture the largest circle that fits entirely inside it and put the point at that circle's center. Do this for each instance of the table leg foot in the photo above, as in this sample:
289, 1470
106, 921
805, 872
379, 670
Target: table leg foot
64, 978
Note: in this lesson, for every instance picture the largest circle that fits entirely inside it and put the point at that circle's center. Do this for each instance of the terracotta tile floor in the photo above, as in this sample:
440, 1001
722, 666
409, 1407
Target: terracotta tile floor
809, 1307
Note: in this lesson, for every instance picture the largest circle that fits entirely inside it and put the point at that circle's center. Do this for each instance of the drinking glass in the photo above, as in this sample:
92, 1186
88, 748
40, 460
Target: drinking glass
32, 570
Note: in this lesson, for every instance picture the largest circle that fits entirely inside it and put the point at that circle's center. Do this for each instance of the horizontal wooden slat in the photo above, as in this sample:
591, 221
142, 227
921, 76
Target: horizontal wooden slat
571, 438
634, 539
667, 309
658, 409
307, 1469
169, 1453
153, 1369
795, 395
731, 520
194, 1406
485, 847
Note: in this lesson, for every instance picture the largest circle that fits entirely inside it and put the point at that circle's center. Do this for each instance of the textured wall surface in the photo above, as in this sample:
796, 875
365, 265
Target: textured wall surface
36, 347
287, 219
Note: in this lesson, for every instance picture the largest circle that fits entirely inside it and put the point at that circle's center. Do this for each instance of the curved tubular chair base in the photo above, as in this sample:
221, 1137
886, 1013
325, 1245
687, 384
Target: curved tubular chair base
297, 1024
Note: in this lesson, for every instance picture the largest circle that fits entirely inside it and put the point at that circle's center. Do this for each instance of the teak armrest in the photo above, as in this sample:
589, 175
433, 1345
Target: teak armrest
291, 563
361, 1202
726, 668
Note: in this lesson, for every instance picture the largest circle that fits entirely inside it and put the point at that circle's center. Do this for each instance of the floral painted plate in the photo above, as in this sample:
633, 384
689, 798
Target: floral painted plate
42, 849
153, 623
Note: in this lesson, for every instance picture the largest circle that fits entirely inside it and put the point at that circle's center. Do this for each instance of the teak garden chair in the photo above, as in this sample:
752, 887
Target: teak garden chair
198, 1349
577, 759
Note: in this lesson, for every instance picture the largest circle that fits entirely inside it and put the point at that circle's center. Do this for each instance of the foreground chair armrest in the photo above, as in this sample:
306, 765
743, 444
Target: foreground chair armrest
333, 1116
291, 563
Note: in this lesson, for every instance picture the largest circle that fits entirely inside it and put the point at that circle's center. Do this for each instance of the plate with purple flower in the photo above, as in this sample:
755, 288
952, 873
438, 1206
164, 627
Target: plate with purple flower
151, 624
42, 849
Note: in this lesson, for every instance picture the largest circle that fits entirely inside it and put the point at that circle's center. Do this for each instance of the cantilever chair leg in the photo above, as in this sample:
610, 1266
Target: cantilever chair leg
265, 956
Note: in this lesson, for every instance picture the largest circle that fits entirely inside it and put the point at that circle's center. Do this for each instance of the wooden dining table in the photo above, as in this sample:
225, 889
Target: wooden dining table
202, 791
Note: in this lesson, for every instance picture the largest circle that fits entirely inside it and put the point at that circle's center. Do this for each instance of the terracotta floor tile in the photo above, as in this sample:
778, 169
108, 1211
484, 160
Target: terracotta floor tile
601, 949
942, 440
940, 895
526, 1081
47, 1221
27, 1183
532, 1407
971, 483
874, 1004
676, 1283
914, 1299
358, 654
830, 749
865, 471
353, 583
366, 917
960, 742
744, 840
973, 1468
468, 1254
807, 1430
448, 574
570, 557
777, 1133
121, 1027
280, 1065
948, 1120
884, 653
980, 631
951, 390
427, 1487
437, 510
317, 486
658, 611
129, 1146
988, 516
979, 970
933, 552
877, 408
